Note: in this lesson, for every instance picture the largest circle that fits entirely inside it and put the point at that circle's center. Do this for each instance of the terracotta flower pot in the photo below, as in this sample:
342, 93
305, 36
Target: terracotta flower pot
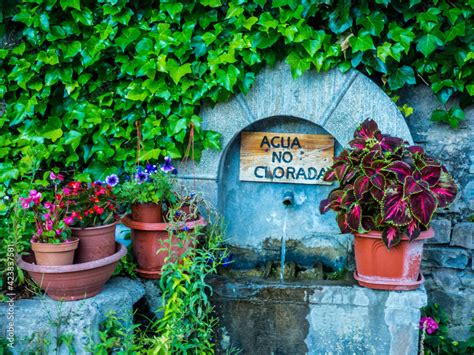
72, 282
394, 269
55, 254
149, 242
147, 212
95, 242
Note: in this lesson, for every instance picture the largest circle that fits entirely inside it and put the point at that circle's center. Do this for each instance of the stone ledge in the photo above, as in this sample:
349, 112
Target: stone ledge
41, 319
316, 318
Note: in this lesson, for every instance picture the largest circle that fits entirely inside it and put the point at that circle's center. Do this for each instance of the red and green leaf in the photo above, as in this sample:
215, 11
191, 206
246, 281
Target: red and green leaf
390, 143
341, 170
329, 175
367, 129
341, 222
354, 218
431, 174
361, 186
395, 208
378, 181
332, 202
445, 190
411, 187
413, 230
376, 193
423, 205
401, 170
391, 236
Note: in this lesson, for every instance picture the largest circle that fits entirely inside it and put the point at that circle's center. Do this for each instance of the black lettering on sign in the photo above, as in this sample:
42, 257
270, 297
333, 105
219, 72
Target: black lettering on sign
312, 172
257, 174
287, 142
296, 143
287, 157
265, 141
276, 156
321, 173
278, 172
290, 172
301, 173
275, 145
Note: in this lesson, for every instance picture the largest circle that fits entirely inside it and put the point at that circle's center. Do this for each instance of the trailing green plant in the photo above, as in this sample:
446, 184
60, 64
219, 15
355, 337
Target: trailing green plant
115, 337
434, 325
187, 325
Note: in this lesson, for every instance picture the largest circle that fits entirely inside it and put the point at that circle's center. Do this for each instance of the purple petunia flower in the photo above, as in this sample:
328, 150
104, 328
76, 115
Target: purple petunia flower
141, 176
98, 183
429, 324
112, 180
151, 168
167, 166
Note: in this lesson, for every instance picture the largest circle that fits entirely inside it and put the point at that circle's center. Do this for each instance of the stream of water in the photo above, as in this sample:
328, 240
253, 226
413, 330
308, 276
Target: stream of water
283, 247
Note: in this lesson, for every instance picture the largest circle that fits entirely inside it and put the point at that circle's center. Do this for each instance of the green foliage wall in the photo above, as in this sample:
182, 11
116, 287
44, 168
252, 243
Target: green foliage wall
83, 72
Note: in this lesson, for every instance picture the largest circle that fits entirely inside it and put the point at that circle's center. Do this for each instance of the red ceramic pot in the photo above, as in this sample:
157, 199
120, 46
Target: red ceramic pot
151, 242
147, 212
54, 254
394, 269
72, 282
95, 242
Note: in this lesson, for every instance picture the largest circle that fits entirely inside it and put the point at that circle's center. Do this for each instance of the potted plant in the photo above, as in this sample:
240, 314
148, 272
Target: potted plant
52, 243
146, 190
94, 217
387, 195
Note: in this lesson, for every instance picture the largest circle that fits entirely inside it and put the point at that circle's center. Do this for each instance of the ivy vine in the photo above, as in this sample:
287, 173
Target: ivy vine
81, 73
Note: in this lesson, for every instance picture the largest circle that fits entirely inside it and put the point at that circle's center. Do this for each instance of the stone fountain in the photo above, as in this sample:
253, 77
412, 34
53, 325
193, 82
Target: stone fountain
289, 289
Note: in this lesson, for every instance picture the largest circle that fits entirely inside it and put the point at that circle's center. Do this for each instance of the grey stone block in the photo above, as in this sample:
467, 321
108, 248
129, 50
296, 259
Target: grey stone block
448, 257
468, 194
463, 235
442, 229
317, 318
41, 320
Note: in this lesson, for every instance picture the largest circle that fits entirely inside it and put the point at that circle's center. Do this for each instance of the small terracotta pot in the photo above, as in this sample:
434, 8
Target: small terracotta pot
55, 254
95, 242
394, 269
72, 282
151, 242
147, 212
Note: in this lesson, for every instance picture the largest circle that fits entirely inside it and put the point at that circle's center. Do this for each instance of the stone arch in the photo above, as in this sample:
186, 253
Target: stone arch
336, 102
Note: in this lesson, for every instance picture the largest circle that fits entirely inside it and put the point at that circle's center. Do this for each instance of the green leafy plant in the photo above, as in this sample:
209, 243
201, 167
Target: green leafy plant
149, 185
438, 341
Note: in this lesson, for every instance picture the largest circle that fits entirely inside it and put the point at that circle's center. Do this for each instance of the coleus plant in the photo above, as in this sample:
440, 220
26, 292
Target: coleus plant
386, 185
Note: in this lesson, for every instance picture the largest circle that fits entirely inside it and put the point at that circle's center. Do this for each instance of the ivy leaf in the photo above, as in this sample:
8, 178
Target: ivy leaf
363, 42
176, 71
145, 46
404, 36
128, 36
373, 23
427, 44
72, 49
402, 76
52, 130
75, 4
297, 64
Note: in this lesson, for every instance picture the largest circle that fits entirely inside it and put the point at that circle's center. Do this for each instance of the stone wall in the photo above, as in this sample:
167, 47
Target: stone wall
448, 258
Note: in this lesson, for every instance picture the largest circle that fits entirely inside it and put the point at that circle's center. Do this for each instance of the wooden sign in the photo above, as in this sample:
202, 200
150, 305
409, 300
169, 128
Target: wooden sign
285, 157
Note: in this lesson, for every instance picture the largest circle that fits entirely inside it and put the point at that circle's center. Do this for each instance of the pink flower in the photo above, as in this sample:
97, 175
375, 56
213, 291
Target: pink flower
25, 204
52, 176
68, 220
46, 216
60, 177
49, 225
58, 231
39, 231
429, 324
67, 191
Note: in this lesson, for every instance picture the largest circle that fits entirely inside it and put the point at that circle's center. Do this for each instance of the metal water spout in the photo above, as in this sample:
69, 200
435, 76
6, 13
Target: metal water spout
288, 198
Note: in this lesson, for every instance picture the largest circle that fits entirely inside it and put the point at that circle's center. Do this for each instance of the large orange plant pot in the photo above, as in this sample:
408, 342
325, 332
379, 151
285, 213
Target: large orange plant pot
394, 269
152, 245
95, 242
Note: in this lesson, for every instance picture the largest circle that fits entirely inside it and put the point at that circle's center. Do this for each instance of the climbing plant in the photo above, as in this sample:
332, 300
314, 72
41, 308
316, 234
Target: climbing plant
76, 76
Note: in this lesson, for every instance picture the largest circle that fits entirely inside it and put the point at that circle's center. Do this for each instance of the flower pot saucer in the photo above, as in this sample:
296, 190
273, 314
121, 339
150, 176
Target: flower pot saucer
379, 283
147, 274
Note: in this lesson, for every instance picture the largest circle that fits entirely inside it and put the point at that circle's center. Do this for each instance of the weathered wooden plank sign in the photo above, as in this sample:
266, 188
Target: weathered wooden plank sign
285, 157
